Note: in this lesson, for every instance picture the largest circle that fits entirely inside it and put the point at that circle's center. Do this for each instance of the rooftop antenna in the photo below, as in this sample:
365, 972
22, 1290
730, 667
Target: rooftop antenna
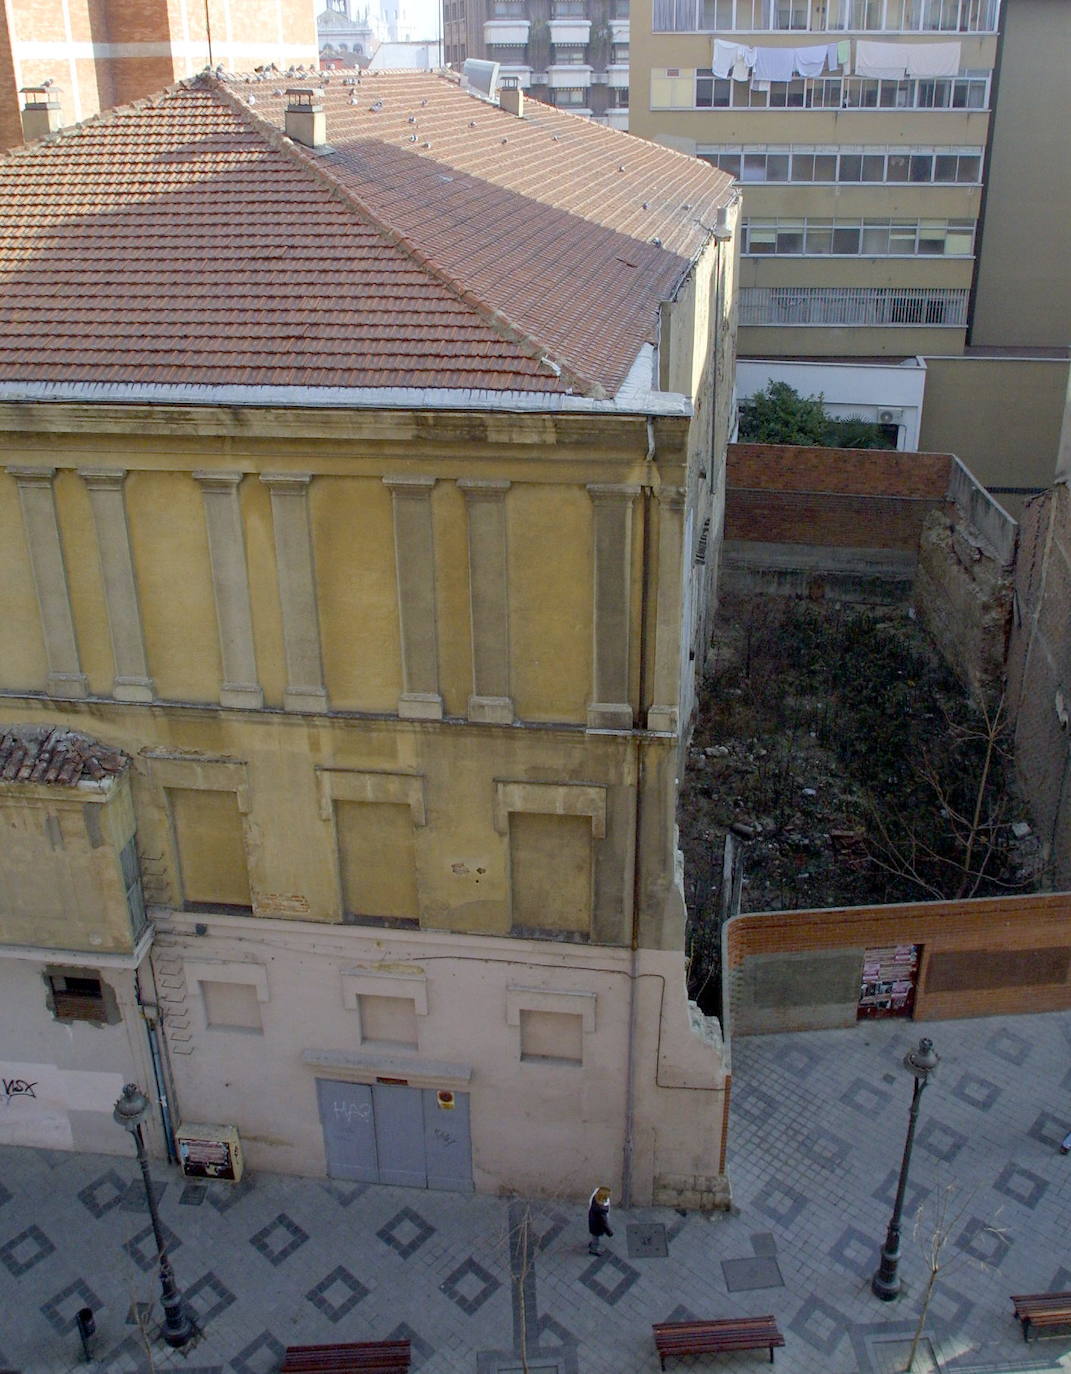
208, 29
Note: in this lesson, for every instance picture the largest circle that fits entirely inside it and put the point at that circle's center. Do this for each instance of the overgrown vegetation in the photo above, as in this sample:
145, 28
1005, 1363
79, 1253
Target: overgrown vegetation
851, 764
780, 415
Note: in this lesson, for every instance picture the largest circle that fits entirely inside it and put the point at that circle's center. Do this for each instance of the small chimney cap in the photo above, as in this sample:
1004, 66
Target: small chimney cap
304, 97
45, 96
508, 83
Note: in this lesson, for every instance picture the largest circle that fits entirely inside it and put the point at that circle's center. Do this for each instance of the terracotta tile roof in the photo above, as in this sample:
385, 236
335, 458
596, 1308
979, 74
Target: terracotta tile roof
441, 242
42, 753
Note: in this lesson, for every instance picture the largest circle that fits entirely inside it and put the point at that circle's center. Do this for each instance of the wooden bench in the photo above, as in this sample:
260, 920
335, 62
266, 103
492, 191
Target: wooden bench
1042, 1310
385, 1357
714, 1337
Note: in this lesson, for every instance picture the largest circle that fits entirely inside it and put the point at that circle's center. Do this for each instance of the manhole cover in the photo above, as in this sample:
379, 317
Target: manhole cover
646, 1240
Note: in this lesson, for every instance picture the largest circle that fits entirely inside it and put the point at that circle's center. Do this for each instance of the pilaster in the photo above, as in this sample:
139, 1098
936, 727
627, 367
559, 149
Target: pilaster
414, 555
295, 570
38, 502
663, 714
610, 708
485, 508
230, 585
105, 489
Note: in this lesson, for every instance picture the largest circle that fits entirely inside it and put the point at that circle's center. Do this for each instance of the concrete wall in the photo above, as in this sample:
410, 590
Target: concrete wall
802, 970
1002, 416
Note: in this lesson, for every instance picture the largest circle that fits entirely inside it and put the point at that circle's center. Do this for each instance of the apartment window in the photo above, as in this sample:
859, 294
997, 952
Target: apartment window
570, 95
388, 1021
867, 16
681, 88
619, 97
551, 1037
509, 9
231, 1006
815, 236
210, 840
619, 53
569, 54
711, 92
569, 9
859, 306
78, 995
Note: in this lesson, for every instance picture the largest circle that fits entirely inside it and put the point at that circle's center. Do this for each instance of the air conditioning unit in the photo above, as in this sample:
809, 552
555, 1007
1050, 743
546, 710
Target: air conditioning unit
891, 417
212, 1152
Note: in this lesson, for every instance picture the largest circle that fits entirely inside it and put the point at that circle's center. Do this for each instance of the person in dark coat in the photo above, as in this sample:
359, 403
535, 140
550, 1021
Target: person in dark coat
598, 1219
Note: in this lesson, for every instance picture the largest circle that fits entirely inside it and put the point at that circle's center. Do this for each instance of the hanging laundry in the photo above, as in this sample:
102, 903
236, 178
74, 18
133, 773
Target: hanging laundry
883, 60
933, 59
775, 64
833, 56
726, 55
811, 61
744, 63
844, 53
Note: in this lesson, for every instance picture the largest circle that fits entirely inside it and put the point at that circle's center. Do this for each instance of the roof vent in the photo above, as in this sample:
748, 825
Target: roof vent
306, 122
723, 229
41, 113
510, 96
480, 76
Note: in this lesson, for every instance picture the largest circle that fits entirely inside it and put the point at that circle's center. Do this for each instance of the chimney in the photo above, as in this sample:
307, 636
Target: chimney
306, 122
510, 96
41, 114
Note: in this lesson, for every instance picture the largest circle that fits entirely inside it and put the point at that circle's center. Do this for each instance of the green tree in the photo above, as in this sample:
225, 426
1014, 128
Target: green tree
780, 415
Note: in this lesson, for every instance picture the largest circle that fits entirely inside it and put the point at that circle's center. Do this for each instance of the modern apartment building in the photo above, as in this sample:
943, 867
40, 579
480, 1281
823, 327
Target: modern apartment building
906, 184
573, 54
358, 628
94, 54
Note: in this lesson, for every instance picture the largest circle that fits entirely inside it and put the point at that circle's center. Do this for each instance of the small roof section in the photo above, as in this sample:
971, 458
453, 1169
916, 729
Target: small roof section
438, 241
54, 754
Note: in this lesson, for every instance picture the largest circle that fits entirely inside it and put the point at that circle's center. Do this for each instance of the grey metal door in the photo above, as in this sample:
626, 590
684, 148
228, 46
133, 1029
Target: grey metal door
447, 1143
348, 1120
399, 1119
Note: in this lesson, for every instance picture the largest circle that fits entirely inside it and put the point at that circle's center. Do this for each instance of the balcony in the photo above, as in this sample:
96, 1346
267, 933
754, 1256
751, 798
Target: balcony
619, 30
616, 119
572, 32
523, 74
568, 76
505, 33
617, 76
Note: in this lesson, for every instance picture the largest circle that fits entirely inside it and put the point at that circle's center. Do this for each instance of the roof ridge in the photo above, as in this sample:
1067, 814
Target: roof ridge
497, 319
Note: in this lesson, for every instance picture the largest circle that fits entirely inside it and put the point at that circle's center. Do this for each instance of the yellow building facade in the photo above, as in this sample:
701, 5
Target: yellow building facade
402, 690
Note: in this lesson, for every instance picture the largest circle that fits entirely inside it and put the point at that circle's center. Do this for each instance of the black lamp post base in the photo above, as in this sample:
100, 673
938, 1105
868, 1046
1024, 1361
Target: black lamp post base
887, 1289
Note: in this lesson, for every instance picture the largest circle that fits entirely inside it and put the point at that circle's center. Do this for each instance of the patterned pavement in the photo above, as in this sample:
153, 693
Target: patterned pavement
817, 1129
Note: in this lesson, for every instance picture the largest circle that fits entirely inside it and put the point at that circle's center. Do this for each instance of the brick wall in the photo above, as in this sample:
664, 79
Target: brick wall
990, 957
1039, 672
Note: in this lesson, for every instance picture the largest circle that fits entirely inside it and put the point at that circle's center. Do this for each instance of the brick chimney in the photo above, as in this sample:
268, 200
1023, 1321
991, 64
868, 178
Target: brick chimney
306, 122
41, 113
510, 96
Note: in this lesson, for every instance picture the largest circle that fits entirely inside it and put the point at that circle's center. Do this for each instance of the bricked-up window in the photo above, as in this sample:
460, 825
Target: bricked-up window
552, 1037
377, 861
135, 897
231, 1006
211, 849
550, 872
388, 1021
80, 995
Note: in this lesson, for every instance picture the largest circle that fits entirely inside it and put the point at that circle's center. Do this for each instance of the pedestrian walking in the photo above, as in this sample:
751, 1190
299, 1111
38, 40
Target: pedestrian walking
1065, 1144
598, 1219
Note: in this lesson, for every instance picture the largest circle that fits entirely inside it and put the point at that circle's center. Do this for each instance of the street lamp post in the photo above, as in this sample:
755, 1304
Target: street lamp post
886, 1281
130, 1111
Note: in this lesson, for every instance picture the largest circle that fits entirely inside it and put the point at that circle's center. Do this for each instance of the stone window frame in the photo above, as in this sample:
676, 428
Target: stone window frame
368, 785
227, 971
192, 773
358, 983
567, 1002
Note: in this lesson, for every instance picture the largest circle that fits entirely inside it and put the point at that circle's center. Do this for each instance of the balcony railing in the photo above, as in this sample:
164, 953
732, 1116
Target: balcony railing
854, 306
826, 16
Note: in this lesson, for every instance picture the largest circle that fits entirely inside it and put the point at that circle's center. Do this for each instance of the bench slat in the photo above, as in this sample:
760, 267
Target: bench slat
709, 1337
1042, 1310
386, 1357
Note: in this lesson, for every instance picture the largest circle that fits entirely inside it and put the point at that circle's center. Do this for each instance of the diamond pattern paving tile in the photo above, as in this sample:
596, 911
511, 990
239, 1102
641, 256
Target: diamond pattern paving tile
142, 1247
550, 1332
263, 1355
820, 1325
133, 1198
1021, 1185
646, 1240
681, 1314
984, 1242
764, 1243
779, 1202
25, 1250
949, 1307
5, 1196
1006, 1045
419, 1350
797, 1061
862, 1096
208, 1296
976, 1091
1049, 1129
823, 1148
914, 1196
224, 1196
61, 1308
470, 1286
549, 1227
103, 1193
139, 1314
344, 1193
855, 1250
754, 1106
1060, 1281
279, 1239
939, 1140
406, 1232
337, 1293
609, 1278
193, 1195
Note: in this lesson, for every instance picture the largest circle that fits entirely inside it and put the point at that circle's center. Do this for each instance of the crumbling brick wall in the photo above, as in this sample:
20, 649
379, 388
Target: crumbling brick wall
1039, 672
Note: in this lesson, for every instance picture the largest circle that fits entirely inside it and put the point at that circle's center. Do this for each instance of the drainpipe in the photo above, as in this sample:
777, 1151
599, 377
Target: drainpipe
149, 1012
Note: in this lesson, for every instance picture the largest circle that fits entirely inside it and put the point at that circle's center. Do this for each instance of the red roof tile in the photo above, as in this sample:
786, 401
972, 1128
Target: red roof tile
54, 754
440, 242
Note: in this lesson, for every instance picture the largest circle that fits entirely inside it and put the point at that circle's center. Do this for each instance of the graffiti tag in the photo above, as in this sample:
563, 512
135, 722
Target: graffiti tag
362, 1110
18, 1087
